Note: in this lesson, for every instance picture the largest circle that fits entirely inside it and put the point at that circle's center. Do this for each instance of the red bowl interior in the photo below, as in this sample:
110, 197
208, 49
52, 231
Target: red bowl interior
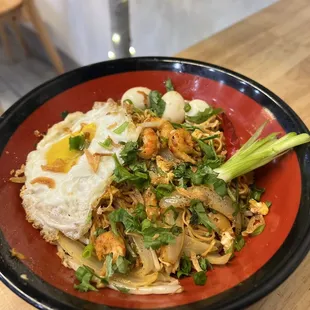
281, 179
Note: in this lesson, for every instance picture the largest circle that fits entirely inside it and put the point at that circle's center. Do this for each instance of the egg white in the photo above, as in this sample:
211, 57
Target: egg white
66, 208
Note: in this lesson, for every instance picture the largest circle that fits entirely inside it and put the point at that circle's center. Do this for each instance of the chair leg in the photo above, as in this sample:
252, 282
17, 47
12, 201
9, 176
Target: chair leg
5, 42
16, 28
40, 28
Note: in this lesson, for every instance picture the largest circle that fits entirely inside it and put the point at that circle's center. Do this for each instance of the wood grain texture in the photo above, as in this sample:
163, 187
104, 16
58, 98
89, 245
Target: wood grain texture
273, 48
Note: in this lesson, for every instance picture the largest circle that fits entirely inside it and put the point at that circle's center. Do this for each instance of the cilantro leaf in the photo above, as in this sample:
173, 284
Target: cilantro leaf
169, 85
140, 212
121, 174
203, 116
204, 264
185, 267
84, 276
239, 243
200, 278
99, 231
122, 265
64, 114
163, 190
182, 171
157, 105
88, 250
130, 222
129, 152
77, 143
256, 192
155, 237
198, 208
207, 149
268, 203
107, 143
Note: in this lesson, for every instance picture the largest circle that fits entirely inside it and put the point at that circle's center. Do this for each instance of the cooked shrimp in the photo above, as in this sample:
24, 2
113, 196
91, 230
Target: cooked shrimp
181, 145
107, 243
164, 131
150, 145
150, 202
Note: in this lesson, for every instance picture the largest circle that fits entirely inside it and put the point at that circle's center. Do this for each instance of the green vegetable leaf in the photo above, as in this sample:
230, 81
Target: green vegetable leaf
268, 203
185, 267
182, 171
77, 143
123, 289
204, 264
198, 208
129, 153
88, 250
107, 143
121, 174
130, 222
169, 85
155, 237
119, 130
99, 231
239, 243
157, 105
207, 149
258, 230
109, 265
64, 114
203, 116
140, 212
84, 276
200, 278
256, 192
122, 265
163, 190
210, 137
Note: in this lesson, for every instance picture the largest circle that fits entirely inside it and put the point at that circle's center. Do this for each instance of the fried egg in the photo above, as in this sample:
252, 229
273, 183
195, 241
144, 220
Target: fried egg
62, 186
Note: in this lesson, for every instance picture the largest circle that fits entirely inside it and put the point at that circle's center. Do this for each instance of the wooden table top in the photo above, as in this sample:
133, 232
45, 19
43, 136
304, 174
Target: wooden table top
273, 48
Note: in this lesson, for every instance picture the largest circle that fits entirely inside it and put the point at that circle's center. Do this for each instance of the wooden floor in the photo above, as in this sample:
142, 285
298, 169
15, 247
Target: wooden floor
20, 76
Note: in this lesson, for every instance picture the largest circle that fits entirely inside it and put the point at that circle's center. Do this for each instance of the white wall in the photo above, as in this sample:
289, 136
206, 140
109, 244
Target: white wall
81, 28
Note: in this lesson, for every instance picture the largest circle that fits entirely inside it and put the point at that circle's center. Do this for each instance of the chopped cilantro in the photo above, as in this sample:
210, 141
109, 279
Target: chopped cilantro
239, 243
129, 152
185, 267
163, 190
157, 105
256, 192
198, 208
99, 231
203, 116
204, 264
268, 203
200, 278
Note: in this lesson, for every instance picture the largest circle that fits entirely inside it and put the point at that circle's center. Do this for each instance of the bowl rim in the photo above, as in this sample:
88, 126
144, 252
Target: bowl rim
290, 262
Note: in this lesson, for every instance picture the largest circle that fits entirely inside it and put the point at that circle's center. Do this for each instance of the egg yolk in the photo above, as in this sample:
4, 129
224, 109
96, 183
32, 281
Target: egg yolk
60, 158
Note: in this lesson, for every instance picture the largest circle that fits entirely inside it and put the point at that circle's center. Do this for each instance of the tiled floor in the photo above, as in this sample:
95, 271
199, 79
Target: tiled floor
20, 76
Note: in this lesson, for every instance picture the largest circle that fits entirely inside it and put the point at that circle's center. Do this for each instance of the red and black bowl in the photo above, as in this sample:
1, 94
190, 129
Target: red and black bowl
266, 260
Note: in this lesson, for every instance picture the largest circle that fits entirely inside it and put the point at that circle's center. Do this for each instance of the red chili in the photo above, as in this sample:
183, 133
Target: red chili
231, 139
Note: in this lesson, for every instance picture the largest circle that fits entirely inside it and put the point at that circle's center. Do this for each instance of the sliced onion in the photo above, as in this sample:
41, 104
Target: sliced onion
75, 250
171, 253
145, 255
216, 259
196, 246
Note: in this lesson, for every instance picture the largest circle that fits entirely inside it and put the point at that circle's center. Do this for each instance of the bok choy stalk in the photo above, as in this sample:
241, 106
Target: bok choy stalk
258, 152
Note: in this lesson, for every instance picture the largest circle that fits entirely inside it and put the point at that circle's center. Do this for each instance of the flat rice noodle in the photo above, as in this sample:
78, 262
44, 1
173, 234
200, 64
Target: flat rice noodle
216, 259
134, 279
196, 246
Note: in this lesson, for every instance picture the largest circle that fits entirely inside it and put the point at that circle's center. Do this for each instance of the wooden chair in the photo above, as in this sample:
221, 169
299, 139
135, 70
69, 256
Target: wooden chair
11, 12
